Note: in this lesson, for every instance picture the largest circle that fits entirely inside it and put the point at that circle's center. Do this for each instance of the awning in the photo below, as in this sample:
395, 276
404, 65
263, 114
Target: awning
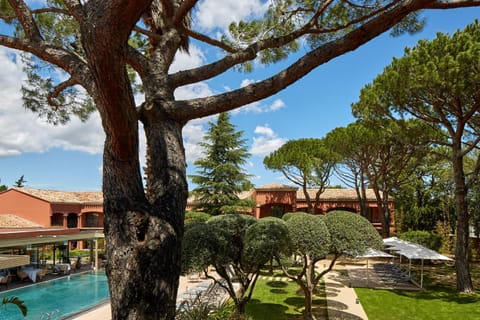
373, 253
412, 250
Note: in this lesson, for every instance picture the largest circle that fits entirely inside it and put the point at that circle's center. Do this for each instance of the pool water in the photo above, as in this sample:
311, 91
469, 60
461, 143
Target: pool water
68, 295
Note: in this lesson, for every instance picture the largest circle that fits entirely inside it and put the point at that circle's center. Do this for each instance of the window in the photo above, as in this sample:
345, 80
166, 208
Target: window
278, 211
91, 220
56, 220
72, 220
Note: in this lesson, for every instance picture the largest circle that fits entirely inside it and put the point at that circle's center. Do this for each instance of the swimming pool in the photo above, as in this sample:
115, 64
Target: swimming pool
68, 295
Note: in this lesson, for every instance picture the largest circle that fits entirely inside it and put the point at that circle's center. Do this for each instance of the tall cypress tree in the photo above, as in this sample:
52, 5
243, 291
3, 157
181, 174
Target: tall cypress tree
220, 175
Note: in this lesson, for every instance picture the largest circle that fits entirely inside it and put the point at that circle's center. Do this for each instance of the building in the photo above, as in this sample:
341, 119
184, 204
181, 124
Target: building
77, 217
51, 213
277, 199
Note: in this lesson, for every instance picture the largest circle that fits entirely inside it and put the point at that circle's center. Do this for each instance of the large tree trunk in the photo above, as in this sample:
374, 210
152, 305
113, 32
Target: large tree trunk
144, 231
464, 280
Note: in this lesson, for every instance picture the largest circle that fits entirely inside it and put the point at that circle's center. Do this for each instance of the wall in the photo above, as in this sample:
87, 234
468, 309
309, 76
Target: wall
25, 206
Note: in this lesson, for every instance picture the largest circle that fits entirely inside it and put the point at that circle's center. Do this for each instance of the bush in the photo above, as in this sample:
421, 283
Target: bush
425, 238
78, 252
205, 311
195, 216
288, 215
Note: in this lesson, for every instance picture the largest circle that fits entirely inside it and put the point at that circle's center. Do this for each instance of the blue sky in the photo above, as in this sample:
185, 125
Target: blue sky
69, 157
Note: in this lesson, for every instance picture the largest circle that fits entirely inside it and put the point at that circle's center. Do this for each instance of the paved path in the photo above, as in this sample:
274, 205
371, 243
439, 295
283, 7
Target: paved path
342, 301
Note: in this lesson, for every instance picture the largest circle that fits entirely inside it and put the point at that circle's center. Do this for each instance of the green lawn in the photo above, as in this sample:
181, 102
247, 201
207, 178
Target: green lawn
279, 300
435, 303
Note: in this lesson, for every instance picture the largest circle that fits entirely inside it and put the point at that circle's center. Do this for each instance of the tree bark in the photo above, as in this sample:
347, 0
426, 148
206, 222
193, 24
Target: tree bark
308, 314
464, 280
144, 230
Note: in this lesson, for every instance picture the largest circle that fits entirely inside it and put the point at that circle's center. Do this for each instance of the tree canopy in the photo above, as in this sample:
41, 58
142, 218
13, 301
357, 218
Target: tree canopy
97, 54
237, 246
20, 182
438, 82
307, 163
313, 237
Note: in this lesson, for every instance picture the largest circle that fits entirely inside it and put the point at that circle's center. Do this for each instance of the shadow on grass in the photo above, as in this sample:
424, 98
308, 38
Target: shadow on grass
277, 284
273, 311
258, 310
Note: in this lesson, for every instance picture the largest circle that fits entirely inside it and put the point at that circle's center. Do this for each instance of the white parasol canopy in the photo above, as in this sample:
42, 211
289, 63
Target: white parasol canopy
412, 250
373, 253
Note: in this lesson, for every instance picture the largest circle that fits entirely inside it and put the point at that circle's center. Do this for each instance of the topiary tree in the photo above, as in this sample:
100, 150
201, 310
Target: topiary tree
310, 241
288, 215
237, 246
350, 234
195, 216
313, 237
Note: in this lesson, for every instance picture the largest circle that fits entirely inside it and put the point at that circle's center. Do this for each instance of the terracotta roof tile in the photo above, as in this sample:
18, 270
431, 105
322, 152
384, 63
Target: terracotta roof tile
54, 196
14, 221
275, 186
335, 194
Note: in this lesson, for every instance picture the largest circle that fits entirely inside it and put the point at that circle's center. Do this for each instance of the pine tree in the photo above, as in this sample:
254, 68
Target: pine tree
220, 176
20, 183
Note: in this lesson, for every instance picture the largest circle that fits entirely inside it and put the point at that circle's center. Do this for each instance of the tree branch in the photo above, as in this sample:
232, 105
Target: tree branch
24, 15
76, 8
324, 272
250, 53
138, 61
452, 4
69, 62
202, 107
183, 11
58, 89
208, 40
236, 57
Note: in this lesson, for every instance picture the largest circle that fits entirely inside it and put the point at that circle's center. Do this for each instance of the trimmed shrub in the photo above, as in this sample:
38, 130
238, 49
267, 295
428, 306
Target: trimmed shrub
288, 215
195, 216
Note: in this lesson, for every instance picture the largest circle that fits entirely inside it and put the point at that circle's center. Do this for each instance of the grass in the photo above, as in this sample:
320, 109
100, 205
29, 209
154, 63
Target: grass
439, 301
435, 304
282, 300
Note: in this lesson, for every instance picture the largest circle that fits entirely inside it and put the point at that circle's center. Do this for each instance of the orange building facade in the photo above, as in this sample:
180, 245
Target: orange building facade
49, 210
83, 211
276, 199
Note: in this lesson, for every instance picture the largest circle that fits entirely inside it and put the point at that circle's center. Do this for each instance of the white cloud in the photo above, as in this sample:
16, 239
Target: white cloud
213, 14
246, 82
23, 131
192, 91
184, 61
193, 134
264, 131
259, 107
266, 141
